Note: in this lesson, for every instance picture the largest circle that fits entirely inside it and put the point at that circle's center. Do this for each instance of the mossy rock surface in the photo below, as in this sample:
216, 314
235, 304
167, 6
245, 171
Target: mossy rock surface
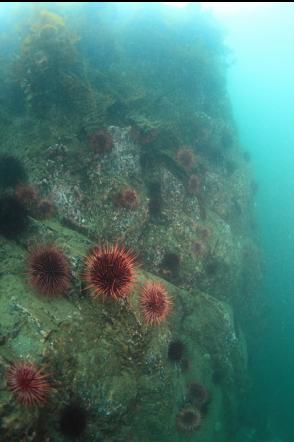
103, 355
152, 83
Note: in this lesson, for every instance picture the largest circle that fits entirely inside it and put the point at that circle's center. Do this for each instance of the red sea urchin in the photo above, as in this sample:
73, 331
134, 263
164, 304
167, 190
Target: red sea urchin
176, 351
27, 194
186, 158
194, 185
48, 270
13, 216
198, 394
28, 383
101, 141
110, 271
128, 198
155, 303
189, 419
198, 248
45, 208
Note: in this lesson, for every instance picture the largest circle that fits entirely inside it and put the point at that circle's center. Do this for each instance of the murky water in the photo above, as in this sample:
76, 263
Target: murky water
146, 217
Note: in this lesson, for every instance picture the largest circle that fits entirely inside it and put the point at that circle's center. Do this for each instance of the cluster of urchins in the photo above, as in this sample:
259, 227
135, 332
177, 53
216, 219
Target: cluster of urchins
18, 199
109, 272
191, 415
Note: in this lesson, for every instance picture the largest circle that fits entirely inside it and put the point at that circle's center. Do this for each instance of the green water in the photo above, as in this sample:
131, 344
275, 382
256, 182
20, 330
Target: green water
262, 93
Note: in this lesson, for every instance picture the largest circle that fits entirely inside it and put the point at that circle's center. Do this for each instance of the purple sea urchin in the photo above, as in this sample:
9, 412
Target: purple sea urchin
48, 270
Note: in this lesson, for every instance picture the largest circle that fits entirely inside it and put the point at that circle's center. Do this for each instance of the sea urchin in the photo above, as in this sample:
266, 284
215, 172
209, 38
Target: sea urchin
128, 198
155, 303
101, 141
198, 394
28, 383
48, 270
12, 171
186, 158
176, 351
45, 209
110, 271
13, 216
189, 419
73, 420
194, 185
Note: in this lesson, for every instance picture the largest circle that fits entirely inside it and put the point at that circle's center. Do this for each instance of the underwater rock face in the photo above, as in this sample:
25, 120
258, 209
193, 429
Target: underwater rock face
180, 223
124, 151
103, 355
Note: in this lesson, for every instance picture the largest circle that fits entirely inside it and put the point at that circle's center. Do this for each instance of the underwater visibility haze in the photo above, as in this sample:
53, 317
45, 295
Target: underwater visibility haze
146, 222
